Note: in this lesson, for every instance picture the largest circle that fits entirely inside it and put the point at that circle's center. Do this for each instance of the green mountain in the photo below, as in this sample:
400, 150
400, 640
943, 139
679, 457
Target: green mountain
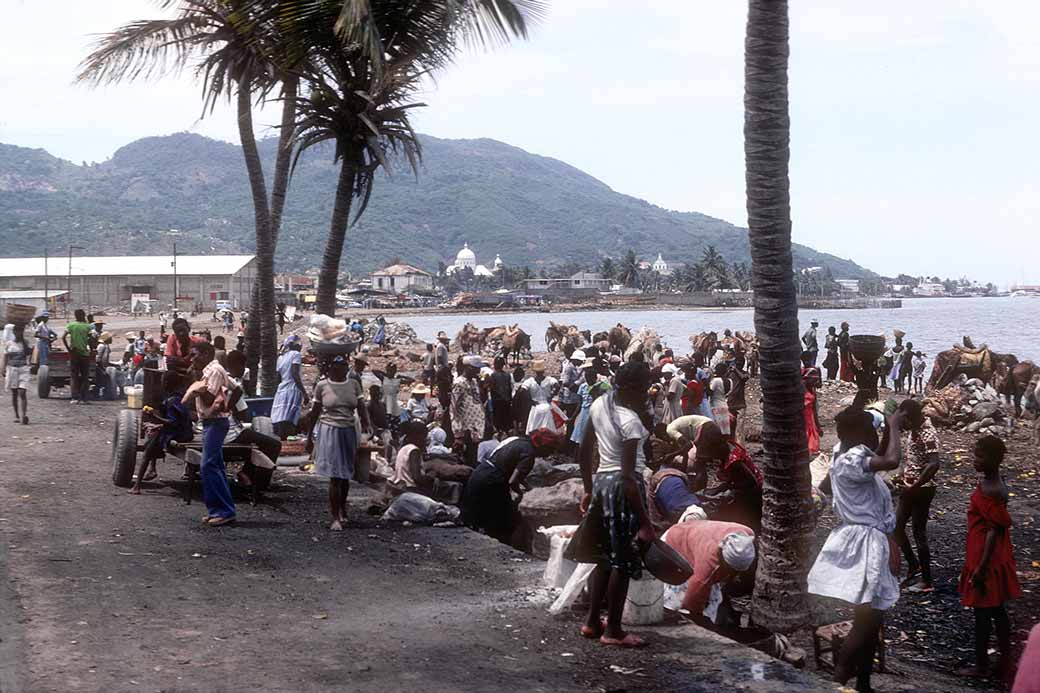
188, 189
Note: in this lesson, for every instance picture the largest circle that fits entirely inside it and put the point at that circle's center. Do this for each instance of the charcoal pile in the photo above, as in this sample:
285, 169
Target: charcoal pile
397, 334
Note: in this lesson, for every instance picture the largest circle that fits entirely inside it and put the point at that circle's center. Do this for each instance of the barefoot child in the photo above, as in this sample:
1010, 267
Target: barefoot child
988, 577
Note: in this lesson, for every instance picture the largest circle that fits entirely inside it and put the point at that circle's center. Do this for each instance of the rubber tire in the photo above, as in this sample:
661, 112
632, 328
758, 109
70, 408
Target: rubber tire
262, 424
43, 382
110, 391
124, 446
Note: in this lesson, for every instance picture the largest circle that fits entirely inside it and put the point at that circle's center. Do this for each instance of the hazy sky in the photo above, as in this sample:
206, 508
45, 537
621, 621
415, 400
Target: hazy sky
912, 148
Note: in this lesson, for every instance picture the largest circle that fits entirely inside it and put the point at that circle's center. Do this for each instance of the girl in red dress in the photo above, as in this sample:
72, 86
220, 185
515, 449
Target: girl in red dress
811, 380
988, 578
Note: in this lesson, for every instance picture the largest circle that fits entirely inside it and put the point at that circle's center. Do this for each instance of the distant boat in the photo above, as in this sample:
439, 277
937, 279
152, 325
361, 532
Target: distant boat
1021, 293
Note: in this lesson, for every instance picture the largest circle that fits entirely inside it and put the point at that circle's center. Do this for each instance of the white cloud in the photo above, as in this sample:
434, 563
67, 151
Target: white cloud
912, 123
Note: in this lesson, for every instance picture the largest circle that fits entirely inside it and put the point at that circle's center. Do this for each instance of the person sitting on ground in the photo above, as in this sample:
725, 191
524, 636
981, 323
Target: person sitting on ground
668, 494
435, 445
989, 578
408, 470
859, 561
720, 553
17, 351
916, 492
163, 428
615, 503
488, 504
417, 408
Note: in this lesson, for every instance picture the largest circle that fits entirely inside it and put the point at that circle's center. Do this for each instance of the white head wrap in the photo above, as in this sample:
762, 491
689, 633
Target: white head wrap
738, 551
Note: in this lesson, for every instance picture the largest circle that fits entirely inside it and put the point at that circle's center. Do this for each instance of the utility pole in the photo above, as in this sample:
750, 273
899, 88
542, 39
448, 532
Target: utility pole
175, 292
46, 279
68, 295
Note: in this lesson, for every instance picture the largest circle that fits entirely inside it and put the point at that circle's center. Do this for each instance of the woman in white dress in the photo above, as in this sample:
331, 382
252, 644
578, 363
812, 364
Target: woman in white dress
858, 563
717, 391
541, 389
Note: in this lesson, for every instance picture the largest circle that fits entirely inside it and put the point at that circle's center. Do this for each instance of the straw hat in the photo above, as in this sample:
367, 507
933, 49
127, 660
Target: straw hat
130, 336
589, 363
443, 336
420, 389
538, 366
105, 337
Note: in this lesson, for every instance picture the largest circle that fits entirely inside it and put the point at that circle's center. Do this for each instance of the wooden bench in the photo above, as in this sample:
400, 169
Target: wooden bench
262, 466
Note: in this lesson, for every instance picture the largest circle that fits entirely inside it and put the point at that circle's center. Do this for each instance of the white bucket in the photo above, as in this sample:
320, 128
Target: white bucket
644, 604
135, 397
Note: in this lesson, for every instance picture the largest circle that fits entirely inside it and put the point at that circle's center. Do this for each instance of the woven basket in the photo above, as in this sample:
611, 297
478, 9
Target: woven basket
19, 314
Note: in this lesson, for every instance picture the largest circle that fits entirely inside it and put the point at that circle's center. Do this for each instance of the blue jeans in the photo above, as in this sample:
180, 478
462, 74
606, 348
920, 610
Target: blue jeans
43, 350
216, 492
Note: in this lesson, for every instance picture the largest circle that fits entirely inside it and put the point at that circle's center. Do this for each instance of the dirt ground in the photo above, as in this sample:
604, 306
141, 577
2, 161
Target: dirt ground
932, 634
106, 591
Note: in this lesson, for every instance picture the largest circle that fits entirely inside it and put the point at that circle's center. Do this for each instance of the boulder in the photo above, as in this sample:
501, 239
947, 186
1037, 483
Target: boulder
985, 410
553, 505
974, 382
987, 422
973, 427
545, 473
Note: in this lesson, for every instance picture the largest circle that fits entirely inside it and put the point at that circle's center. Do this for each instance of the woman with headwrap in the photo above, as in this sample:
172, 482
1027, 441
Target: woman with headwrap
290, 397
487, 503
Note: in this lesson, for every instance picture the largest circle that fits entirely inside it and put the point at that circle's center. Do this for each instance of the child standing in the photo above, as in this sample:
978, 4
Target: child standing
988, 577
918, 365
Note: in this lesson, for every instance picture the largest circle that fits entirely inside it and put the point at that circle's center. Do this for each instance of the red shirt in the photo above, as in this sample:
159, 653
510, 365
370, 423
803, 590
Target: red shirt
173, 346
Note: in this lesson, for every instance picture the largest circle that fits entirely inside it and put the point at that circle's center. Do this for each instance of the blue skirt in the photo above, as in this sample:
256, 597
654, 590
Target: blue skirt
288, 401
335, 451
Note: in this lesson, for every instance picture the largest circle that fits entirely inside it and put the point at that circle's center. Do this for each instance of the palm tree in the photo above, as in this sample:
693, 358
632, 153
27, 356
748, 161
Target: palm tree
368, 57
780, 601
231, 45
628, 269
607, 269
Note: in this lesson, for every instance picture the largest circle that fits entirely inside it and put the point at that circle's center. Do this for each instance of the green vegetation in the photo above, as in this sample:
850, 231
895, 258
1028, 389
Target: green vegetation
533, 210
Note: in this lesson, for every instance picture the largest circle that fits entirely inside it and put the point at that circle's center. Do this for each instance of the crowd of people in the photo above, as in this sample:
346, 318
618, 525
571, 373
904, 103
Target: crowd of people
659, 441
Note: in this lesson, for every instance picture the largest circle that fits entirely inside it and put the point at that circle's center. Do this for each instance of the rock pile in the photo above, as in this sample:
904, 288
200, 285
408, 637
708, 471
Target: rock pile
397, 333
970, 406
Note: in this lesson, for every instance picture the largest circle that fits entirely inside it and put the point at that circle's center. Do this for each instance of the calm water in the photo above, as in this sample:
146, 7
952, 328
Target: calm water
1010, 325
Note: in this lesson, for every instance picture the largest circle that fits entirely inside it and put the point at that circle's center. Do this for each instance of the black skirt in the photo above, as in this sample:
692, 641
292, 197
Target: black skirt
486, 502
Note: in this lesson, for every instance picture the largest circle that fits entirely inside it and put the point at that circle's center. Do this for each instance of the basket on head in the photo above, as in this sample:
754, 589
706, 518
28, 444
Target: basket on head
867, 347
18, 314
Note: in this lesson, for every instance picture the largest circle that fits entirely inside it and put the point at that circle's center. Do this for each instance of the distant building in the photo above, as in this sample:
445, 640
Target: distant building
661, 267
295, 282
116, 281
37, 299
582, 283
848, 286
402, 278
929, 289
467, 259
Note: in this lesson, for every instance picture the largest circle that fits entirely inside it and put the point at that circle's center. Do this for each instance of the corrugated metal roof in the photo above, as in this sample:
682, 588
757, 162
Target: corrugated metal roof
10, 295
401, 269
124, 265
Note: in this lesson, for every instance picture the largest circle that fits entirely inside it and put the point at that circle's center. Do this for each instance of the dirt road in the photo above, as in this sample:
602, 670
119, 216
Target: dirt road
104, 591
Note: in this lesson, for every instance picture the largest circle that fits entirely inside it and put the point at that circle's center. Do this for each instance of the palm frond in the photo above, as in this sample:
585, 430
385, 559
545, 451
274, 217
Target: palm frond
146, 48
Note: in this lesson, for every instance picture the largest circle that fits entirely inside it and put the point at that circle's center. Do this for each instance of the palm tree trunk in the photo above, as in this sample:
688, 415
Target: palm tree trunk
328, 276
279, 188
264, 244
780, 602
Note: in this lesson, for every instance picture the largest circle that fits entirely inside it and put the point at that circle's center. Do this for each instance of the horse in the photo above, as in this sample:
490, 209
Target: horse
620, 337
704, 346
467, 337
515, 341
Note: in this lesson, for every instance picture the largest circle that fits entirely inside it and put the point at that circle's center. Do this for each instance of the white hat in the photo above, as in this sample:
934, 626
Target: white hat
473, 360
738, 551
669, 368
578, 355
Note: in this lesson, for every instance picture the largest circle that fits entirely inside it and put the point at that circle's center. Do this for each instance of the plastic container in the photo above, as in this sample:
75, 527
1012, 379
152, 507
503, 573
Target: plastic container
644, 604
259, 406
135, 397
666, 564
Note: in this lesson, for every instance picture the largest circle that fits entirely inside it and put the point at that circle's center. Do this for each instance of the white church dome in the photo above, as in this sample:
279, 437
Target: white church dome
466, 257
